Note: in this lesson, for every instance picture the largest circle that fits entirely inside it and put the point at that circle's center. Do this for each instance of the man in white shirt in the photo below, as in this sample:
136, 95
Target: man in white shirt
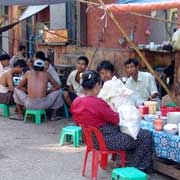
142, 83
4, 63
74, 80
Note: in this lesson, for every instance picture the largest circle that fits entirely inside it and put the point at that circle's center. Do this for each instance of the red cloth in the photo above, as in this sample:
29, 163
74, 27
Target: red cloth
93, 111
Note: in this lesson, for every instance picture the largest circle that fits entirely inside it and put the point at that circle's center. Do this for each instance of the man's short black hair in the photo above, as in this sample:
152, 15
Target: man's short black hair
84, 58
107, 65
40, 55
21, 63
22, 47
4, 57
131, 60
47, 59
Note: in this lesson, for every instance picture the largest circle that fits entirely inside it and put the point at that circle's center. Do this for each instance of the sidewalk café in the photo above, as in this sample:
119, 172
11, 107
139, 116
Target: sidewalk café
160, 124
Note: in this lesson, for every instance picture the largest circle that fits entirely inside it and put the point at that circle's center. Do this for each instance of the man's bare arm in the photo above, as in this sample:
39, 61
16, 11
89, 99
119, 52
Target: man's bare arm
23, 83
10, 82
71, 88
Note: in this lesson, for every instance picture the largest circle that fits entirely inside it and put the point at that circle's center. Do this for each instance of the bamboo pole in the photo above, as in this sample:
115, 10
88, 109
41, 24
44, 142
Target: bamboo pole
93, 56
90, 3
110, 14
154, 18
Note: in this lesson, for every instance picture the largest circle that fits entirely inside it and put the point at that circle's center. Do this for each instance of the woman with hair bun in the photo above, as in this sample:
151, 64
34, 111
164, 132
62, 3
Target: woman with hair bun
93, 111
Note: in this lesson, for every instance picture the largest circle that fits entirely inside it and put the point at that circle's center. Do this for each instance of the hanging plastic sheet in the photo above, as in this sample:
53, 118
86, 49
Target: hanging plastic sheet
142, 5
30, 11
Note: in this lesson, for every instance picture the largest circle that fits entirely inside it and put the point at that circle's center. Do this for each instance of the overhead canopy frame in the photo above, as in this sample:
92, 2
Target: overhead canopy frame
143, 5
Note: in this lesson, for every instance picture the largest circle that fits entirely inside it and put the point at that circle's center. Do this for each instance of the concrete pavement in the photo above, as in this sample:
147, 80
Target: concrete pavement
31, 152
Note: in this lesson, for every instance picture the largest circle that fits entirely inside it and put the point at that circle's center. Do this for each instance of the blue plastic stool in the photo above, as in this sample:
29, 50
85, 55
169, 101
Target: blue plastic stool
66, 108
5, 108
37, 113
128, 173
71, 131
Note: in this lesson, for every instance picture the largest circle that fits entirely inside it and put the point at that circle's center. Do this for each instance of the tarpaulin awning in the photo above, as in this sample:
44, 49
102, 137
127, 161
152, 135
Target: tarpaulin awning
30, 2
30, 11
141, 1
143, 5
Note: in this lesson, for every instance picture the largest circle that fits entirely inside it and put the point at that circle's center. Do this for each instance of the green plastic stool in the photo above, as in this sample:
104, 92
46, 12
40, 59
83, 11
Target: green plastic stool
66, 110
5, 108
71, 131
13, 106
128, 173
37, 113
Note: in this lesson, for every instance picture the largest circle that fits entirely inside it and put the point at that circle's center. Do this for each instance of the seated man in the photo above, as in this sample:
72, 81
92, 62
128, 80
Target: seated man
73, 81
21, 54
4, 63
142, 83
6, 82
32, 93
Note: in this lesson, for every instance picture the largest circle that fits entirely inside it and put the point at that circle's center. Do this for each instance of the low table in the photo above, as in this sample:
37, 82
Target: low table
166, 146
167, 151
64, 70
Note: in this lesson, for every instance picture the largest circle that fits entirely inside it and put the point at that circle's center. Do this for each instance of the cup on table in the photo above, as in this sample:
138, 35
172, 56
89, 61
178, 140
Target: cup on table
151, 45
143, 110
158, 124
152, 105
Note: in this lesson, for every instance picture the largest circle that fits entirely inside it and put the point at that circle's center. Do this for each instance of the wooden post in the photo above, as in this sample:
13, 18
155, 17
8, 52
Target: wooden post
110, 14
78, 24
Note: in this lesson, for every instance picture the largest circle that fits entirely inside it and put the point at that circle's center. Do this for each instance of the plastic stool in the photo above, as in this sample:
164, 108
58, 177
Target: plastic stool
69, 131
66, 110
37, 113
5, 108
128, 173
13, 106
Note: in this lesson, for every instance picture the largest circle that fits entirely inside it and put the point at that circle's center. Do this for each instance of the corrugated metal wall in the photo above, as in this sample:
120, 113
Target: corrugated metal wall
161, 31
71, 19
